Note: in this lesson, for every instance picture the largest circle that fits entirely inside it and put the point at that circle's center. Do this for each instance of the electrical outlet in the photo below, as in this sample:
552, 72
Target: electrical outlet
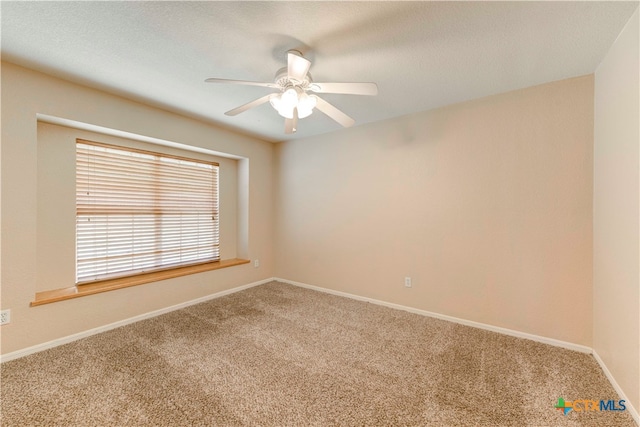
407, 282
256, 263
5, 316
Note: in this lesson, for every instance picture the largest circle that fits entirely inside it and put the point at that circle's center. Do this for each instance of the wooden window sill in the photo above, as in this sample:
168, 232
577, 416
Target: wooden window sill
55, 295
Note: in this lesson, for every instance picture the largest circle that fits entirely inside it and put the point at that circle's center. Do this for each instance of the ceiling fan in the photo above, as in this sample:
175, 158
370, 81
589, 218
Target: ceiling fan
295, 96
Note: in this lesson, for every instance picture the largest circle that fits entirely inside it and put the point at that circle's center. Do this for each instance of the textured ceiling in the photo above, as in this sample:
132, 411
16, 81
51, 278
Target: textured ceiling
422, 55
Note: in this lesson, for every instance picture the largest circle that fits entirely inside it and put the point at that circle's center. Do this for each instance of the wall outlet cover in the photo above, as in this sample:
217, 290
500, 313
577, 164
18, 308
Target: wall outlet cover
5, 317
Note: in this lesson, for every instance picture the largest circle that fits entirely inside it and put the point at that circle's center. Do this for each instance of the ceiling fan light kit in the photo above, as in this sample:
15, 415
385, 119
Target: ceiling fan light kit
293, 98
292, 101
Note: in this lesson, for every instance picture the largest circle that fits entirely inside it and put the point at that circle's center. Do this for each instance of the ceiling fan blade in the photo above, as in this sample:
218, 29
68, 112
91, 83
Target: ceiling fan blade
345, 88
248, 105
334, 113
242, 82
291, 125
297, 65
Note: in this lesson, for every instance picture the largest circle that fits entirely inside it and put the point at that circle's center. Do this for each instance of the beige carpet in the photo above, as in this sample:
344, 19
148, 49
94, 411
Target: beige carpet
279, 355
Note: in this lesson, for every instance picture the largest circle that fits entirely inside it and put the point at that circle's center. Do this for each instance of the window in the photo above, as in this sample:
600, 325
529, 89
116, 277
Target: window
140, 211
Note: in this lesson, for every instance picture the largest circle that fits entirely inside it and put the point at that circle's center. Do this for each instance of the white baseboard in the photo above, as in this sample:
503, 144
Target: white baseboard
618, 389
64, 340
505, 331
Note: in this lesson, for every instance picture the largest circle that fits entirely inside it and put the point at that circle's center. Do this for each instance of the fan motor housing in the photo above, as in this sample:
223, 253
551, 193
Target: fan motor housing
282, 79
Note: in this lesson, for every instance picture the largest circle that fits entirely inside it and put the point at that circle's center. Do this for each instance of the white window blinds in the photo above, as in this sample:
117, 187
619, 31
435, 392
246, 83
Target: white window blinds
140, 211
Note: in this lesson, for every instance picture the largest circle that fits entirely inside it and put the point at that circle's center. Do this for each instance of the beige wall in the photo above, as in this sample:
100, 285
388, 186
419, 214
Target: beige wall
28, 225
616, 212
487, 205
